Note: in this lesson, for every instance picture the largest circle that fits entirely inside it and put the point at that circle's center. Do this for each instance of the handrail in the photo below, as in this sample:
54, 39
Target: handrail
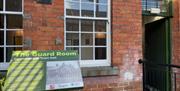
158, 64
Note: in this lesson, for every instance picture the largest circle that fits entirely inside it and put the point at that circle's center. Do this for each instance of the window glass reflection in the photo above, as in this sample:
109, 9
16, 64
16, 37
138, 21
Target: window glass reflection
101, 10
87, 25
72, 25
100, 26
100, 39
73, 0
1, 21
73, 48
1, 5
14, 21
1, 37
87, 53
14, 37
1, 54
9, 51
89, 1
100, 53
72, 39
101, 1
12, 5
87, 9
72, 8
87, 39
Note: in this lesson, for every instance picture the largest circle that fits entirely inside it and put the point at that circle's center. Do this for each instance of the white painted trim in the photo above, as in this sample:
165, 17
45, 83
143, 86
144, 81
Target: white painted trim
91, 63
109, 34
10, 12
5, 38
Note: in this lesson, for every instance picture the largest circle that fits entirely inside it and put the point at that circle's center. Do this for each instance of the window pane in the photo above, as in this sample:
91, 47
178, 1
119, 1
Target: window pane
87, 39
72, 39
100, 39
14, 37
73, 0
12, 5
87, 25
1, 37
1, 5
1, 21
100, 26
101, 10
87, 9
9, 51
73, 48
100, 53
1, 54
89, 1
14, 21
87, 53
72, 25
101, 1
72, 8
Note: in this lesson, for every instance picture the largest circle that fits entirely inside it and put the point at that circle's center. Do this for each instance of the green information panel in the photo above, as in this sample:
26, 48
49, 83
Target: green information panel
25, 74
27, 69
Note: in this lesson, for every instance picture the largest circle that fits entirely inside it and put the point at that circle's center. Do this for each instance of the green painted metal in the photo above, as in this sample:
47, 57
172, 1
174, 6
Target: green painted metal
158, 50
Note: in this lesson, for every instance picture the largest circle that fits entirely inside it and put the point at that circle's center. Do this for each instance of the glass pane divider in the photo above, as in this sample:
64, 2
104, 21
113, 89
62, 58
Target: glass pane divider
72, 31
94, 40
14, 46
87, 18
80, 37
20, 29
11, 13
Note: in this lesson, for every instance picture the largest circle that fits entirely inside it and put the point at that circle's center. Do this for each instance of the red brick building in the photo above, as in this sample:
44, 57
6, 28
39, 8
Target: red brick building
110, 35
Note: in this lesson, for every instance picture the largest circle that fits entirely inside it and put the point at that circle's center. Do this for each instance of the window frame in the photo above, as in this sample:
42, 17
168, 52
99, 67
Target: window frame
4, 29
94, 62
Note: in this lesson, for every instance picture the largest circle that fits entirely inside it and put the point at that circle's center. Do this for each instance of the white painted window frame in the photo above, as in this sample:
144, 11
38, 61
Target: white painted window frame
92, 63
4, 64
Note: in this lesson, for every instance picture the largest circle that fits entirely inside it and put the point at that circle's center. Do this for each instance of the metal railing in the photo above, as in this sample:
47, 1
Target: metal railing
160, 77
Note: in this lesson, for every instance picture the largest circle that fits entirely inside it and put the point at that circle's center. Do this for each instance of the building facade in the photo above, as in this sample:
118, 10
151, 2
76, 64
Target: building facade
109, 35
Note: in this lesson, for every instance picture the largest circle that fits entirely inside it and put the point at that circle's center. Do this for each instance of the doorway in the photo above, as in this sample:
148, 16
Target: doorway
157, 50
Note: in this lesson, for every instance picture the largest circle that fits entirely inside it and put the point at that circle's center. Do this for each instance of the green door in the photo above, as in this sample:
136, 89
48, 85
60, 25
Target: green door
157, 51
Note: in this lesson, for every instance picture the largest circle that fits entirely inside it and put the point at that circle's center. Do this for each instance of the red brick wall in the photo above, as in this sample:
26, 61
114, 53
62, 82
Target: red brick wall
176, 32
42, 23
176, 39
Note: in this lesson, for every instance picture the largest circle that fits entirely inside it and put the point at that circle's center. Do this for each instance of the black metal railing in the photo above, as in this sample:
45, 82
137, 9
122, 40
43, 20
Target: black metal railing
160, 77
163, 5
